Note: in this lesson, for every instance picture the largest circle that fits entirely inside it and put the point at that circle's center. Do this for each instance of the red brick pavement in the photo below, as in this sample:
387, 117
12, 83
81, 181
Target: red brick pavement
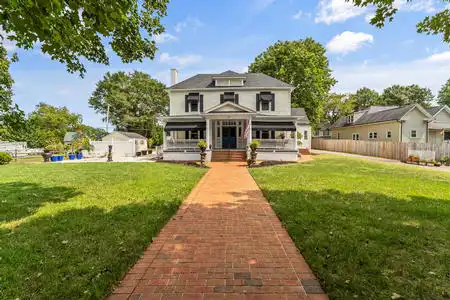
225, 242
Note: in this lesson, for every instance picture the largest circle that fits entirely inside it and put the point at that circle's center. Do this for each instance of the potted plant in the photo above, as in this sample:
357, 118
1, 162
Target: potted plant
71, 156
202, 145
60, 156
253, 154
414, 159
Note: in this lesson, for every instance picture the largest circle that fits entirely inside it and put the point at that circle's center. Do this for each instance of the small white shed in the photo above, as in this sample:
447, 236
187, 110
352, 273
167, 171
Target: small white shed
124, 143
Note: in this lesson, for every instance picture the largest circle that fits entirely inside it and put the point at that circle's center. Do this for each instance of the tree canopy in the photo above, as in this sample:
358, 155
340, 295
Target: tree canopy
70, 31
403, 95
304, 65
365, 97
135, 101
438, 23
336, 106
49, 124
444, 94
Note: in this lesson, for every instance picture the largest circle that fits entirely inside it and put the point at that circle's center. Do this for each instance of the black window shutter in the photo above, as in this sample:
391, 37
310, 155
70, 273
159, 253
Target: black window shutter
272, 134
257, 102
186, 103
186, 134
236, 98
221, 98
201, 103
273, 102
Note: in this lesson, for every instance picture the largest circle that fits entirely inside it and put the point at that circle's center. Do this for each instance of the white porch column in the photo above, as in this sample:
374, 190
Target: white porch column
296, 139
249, 135
208, 132
164, 137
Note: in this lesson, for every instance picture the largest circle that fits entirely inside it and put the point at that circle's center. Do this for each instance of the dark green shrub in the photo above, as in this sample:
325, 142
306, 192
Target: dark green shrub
5, 158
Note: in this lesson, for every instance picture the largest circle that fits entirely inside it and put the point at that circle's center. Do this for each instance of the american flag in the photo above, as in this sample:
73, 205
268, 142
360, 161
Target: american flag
245, 133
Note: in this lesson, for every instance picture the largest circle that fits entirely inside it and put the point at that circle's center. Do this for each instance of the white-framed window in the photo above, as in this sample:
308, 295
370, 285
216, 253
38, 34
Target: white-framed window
265, 105
413, 133
355, 136
350, 119
388, 134
373, 135
305, 134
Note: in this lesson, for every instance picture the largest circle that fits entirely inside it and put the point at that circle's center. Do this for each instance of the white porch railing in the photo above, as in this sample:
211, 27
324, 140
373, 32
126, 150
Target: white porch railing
276, 144
184, 144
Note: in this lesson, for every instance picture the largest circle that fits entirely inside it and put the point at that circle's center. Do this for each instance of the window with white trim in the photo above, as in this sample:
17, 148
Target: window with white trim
193, 106
373, 135
355, 136
350, 119
265, 105
413, 134
389, 134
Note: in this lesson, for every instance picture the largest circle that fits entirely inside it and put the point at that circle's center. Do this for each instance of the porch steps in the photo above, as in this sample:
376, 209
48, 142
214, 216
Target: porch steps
304, 151
225, 155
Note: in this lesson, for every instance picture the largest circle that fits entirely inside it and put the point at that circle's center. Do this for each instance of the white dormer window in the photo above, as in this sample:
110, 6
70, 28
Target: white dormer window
350, 119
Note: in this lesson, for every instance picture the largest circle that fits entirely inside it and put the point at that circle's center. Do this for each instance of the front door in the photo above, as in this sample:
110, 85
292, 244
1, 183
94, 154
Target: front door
229, 137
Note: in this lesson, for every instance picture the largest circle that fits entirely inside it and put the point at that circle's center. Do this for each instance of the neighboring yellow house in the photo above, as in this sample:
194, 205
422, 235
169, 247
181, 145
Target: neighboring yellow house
411, 123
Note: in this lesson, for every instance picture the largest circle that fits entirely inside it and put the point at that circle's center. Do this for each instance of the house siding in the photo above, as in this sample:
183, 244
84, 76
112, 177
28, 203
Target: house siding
414, 120
345, 133
247, 98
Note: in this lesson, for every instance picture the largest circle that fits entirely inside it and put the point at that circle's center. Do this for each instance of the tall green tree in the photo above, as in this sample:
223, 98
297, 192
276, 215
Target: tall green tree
437, 23
404, 95
304, 65
12, 119
92, 132
444, 94
336, 106
365, 97
49, 124
135, 101
70, 31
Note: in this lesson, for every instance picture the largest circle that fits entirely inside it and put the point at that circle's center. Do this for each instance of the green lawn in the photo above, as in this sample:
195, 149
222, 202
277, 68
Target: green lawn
367, 229
70, 231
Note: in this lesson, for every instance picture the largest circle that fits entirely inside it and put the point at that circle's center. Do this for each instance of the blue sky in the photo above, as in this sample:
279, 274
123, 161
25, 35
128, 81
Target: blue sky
204, 36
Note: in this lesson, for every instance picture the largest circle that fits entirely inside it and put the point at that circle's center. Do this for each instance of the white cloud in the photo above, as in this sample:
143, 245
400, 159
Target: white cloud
298, 15
348, 41
189, 22
164, 37
181, 61
416, 6
439, 57
331, 11
8, 44
424, 72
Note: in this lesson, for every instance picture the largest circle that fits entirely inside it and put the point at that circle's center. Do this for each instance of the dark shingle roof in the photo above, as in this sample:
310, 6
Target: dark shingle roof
257, 80
228, 73
132, 135
434, 110
380, 116
300, 112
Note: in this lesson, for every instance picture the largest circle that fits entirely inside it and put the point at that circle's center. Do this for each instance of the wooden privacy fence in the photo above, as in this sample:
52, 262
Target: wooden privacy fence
389, 150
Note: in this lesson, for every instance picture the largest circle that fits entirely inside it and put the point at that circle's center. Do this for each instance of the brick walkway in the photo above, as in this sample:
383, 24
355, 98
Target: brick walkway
225, 242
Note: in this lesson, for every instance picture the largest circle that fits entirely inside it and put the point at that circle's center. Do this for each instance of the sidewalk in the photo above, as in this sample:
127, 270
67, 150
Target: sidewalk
225, 242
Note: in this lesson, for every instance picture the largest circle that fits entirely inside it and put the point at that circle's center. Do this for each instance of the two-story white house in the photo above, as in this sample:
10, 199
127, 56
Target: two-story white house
228, 111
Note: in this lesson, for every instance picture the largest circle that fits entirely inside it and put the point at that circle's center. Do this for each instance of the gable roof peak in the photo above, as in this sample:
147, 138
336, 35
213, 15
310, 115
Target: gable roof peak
229, 73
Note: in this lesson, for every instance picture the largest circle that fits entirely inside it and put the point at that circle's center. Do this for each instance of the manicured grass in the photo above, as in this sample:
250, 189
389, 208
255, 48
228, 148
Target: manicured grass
70, 231
367, 229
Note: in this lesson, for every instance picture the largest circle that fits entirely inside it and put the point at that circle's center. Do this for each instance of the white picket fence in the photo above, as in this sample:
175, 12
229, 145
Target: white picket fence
18, 149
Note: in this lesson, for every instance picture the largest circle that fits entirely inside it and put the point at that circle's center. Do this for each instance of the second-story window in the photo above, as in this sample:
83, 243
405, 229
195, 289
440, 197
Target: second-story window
350, 119
193, 102
229, 97
265, 101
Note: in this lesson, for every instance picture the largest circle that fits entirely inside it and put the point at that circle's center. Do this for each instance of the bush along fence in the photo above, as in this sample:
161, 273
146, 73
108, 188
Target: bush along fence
390, 150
